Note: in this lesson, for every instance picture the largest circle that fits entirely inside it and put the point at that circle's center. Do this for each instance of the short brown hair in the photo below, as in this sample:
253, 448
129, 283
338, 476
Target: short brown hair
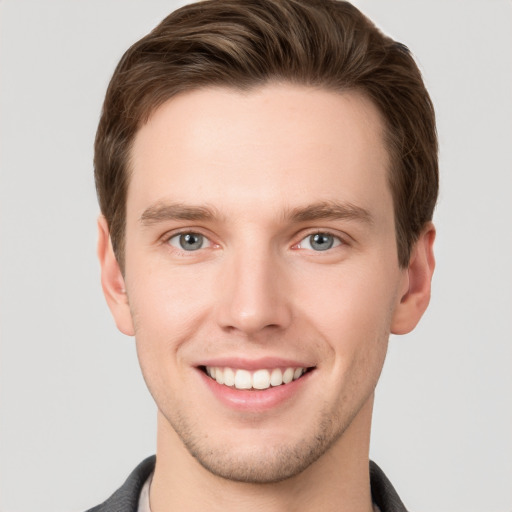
246, 43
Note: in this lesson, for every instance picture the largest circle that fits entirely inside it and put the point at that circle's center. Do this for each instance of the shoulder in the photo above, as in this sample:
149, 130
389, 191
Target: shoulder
383, 492
126, 498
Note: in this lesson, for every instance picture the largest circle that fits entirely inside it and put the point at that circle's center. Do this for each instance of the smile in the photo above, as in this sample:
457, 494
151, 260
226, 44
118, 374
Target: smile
259, 379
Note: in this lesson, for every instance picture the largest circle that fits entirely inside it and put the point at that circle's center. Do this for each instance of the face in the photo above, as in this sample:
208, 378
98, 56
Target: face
261, 274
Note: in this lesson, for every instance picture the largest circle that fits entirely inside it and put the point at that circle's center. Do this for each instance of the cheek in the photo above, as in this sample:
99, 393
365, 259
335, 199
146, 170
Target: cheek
352, 310
165, 300
162, 318
357, 295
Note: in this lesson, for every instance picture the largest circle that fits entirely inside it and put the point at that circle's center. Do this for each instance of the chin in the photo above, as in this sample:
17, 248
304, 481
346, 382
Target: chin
262, 466
260, 461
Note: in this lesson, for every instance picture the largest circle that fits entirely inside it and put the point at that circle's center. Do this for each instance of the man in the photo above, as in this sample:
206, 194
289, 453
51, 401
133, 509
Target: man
267, 174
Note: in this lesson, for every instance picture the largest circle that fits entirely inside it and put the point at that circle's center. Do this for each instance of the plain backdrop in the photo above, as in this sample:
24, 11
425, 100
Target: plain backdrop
75, 416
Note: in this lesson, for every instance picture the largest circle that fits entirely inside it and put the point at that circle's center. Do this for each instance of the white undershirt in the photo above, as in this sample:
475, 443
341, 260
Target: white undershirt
144, 496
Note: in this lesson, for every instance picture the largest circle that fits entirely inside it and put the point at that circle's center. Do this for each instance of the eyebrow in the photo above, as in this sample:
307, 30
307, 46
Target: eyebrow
324, 210
330, 210
161, 212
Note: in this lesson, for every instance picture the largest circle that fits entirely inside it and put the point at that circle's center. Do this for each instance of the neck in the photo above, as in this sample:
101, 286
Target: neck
338, 481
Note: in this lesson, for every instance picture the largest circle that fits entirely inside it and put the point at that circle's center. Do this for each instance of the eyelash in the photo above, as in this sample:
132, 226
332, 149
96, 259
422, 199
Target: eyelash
167, 240
337, 241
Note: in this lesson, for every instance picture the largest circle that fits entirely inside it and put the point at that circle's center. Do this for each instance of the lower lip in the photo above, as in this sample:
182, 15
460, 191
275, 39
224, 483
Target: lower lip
254, 400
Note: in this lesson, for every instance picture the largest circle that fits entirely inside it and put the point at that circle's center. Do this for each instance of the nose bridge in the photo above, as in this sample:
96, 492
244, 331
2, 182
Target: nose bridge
253, 290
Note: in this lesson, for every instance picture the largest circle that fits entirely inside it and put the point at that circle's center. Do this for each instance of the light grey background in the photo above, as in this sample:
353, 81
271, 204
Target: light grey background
75, 416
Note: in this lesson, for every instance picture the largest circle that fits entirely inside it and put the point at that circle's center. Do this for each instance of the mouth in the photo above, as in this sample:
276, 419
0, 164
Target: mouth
257, 380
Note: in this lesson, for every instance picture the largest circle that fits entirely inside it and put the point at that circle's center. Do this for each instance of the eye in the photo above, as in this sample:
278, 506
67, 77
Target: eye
319, 242
189, 241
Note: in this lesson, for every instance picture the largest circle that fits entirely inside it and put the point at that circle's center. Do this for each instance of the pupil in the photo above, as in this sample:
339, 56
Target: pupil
191, 241
321, 241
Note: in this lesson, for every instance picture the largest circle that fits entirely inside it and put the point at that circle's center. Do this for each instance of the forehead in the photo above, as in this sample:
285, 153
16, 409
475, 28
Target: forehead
282, 143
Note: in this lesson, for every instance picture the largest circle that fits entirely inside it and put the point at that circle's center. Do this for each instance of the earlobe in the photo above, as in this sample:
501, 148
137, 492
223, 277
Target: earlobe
417, 283
112, 281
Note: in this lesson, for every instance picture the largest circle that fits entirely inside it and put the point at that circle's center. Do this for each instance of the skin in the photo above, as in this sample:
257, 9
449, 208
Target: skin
257, 174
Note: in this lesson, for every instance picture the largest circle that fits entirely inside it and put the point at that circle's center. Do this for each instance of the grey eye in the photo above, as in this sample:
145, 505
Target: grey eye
320, 242
189, 241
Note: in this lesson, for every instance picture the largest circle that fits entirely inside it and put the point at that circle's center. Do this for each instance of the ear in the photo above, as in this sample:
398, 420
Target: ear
417, 283
112, 281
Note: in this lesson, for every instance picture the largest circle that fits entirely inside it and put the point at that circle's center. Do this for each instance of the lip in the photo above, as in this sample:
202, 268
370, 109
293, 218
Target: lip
254, 400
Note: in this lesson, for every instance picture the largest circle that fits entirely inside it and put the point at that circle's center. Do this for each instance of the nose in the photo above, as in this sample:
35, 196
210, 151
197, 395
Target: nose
253, 293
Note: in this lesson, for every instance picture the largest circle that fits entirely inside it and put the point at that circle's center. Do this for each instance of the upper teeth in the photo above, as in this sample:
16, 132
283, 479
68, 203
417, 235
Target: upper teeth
259, 379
